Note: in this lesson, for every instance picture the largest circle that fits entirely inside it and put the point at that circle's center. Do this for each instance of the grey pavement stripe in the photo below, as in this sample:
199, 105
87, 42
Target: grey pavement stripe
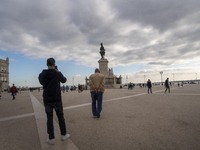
76, 106
181, 94
109, 100
113, 99
125, 97
40, 117
16, 117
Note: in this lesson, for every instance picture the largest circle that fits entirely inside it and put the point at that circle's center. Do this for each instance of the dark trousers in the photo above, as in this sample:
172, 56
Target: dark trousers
149, 90
97, 98
59, 112
167, 88
13, 95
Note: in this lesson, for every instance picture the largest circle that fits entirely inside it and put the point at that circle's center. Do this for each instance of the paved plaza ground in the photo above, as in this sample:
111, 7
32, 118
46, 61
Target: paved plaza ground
130, 120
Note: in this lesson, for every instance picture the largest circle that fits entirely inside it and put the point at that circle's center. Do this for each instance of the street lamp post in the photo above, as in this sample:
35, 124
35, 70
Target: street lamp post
73, 80
173, 76
144, 78
127, 79
161, 73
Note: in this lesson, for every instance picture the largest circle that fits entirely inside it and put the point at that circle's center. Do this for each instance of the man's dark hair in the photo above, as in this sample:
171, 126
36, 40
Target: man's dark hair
51, 62
97, 70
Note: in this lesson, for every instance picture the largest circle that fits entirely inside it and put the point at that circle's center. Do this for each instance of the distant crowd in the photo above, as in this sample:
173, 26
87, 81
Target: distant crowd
80, 88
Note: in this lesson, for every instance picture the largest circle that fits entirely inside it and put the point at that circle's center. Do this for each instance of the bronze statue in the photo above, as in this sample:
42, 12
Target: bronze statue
102, 51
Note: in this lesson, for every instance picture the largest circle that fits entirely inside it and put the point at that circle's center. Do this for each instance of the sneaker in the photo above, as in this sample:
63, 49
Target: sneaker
64, 137
98, 116
51, 141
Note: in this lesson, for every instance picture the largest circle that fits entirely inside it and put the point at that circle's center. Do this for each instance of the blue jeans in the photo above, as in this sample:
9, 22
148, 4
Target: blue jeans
97, 98
59, 112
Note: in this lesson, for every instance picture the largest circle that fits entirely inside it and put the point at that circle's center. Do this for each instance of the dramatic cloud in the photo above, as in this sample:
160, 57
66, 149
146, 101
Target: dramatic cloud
154, 33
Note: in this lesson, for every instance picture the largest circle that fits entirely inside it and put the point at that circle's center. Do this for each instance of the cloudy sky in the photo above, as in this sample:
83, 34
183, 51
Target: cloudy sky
141, 38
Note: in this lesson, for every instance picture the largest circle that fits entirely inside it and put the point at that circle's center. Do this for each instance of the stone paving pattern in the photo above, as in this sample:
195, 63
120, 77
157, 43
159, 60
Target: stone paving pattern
130, 120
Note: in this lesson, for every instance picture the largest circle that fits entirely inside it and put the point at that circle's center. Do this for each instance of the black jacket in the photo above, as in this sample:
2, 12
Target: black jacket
149, 85
166, 83
50, 80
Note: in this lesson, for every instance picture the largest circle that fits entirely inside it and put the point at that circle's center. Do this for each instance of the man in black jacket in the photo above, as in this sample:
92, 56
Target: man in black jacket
50, 80
149, 85
167, 85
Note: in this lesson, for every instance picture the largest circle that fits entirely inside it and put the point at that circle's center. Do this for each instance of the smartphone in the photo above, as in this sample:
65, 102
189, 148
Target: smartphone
56, 67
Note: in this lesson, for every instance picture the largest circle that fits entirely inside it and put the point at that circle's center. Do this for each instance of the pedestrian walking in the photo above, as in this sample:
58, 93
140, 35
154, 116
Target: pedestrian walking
149, 85
13, 91
63, 88
0, 88
80, 88
96, 83
50, 80
67, 88
167, 87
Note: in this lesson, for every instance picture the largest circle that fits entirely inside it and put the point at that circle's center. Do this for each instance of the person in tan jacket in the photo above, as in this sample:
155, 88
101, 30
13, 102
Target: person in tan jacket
96, 83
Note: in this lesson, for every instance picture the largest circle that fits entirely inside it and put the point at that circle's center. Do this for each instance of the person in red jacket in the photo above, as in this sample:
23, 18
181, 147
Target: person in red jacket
13, 91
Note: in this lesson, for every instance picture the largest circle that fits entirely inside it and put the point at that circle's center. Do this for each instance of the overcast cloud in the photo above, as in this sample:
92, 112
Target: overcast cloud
155, 33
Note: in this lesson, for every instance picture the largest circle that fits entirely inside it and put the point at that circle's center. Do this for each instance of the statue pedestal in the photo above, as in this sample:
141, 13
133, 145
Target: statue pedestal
110, 79
103, 66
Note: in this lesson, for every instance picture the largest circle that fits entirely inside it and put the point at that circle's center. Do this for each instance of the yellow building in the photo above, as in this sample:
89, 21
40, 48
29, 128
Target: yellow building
4, 74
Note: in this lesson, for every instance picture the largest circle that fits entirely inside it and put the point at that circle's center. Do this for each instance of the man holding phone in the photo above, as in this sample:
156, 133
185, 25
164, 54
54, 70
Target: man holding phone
50, 80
